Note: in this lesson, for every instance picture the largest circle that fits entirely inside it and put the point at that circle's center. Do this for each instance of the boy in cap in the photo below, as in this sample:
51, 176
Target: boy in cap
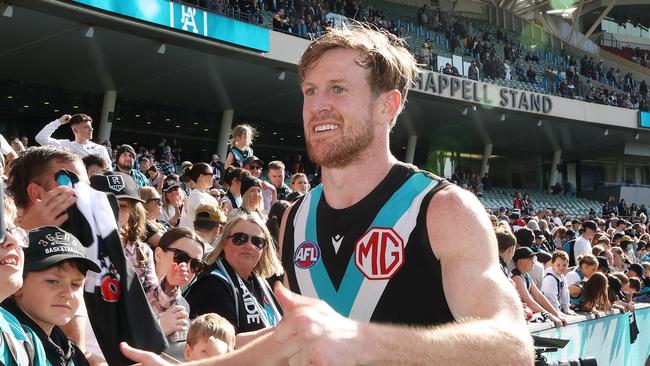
528, 291
208, 221
52, 291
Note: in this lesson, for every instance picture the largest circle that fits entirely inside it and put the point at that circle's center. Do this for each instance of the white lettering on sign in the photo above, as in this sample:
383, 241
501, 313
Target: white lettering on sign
188, 19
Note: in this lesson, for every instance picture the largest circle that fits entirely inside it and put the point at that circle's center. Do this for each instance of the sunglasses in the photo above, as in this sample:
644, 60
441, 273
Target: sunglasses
196, 265
255, 167
157, 200
240, 239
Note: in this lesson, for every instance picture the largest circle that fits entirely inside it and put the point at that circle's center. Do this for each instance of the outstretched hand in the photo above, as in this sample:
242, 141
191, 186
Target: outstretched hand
311, 332
143, 358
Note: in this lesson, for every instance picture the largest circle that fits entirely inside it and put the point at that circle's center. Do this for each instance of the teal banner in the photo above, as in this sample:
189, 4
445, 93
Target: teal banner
607, 339
186, 18
644, 119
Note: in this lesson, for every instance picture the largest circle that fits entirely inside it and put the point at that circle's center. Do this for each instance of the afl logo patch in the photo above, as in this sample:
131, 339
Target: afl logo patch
307, 255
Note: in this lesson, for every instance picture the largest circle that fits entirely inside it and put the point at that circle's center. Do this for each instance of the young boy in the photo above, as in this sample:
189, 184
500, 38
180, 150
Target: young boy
209, 335
52, 290
554, 284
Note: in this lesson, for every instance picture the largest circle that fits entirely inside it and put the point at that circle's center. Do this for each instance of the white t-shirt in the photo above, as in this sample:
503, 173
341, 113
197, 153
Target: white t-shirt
44, 137
572, 278
582, 246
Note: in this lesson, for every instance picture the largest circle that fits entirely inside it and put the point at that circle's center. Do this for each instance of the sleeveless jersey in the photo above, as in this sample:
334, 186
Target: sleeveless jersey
240, 155
371, 261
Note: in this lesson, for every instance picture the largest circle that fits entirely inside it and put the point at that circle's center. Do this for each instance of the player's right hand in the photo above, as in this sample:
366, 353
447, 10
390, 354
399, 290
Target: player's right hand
64, 119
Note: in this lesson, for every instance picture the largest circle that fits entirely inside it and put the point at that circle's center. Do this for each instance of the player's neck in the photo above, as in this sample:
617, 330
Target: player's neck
344, 187
80, 141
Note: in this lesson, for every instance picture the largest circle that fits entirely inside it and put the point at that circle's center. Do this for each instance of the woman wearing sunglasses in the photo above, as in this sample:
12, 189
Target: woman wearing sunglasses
154, 229
202, 176
178, 247
235, 287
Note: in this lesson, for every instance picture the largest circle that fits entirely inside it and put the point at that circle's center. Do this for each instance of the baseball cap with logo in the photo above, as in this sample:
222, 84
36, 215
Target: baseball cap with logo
168, 184
117, 183
49, 245
523, 252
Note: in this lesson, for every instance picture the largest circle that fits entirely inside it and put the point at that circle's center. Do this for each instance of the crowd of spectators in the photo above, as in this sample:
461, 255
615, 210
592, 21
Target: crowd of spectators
636, 54
562, 268
174, 219
310, 18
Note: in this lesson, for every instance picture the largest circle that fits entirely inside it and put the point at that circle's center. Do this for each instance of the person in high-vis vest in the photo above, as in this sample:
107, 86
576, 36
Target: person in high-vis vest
383, 254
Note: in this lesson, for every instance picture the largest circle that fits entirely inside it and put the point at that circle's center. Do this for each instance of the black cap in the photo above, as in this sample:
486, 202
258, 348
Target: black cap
252, 159
125, 148
523, 252
117, 183
49, 245
247, 182
168, 184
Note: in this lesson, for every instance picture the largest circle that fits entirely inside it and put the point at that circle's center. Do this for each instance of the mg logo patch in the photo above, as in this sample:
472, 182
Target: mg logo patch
115, 182
379, 254
307, 255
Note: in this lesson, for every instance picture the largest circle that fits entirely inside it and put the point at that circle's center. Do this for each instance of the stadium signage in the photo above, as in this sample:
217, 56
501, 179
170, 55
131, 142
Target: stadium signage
478, 92
173, 14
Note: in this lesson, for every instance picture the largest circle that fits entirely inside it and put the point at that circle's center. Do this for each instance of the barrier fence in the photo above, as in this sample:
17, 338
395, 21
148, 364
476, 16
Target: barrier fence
606, 338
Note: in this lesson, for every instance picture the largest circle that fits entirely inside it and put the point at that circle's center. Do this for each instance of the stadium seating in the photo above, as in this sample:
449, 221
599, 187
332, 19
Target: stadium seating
571, 206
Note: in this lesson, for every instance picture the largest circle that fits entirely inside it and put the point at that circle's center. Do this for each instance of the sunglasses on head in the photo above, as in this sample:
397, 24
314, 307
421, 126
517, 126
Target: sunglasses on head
240, 239
180, 256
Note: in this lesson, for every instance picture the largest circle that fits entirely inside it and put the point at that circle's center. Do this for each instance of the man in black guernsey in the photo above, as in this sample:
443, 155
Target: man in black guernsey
394, 266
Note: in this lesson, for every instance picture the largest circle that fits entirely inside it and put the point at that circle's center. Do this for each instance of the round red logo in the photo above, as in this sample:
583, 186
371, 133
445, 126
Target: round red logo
307, 255
110, 288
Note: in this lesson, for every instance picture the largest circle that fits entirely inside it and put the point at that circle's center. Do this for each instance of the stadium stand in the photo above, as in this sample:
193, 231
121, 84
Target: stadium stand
570, 205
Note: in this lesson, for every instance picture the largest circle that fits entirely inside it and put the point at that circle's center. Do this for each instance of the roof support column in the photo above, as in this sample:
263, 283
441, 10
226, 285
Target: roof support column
485, 163
224, 133
552, 180
106, 118
619, 170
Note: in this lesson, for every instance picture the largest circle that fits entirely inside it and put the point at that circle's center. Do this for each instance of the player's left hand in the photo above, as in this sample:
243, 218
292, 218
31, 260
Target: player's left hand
312, 333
